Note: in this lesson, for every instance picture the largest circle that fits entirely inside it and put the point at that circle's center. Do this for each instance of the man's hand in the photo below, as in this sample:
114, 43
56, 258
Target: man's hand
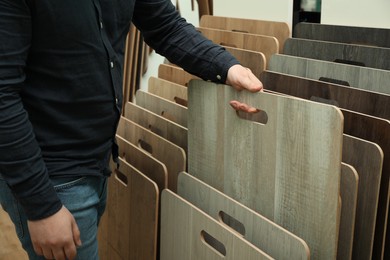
55, 237
241, 78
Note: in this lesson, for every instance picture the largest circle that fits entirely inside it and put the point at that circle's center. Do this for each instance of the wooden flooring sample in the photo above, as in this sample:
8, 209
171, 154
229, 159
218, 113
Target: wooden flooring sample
167, 109
175, 74
271, 238
355, 76
189, 233
132, 211
348, 192
345, 34
159, 125
163, 150
169, 90
254, 60
287, 169
359, 100
280, 30
360, 55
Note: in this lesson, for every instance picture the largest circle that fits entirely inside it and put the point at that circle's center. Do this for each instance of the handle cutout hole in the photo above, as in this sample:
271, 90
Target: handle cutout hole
334, 81
260, 117
167, 115
121, 177
228, 44
350, 62
325, 101
181, 101
155, 130
240, 31
232, 223
145, 146
213, 243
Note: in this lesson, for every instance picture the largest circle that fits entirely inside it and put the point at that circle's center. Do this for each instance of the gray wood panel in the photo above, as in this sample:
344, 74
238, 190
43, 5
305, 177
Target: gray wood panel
183, 228
360, 55
359, 77
345, 34
292, 162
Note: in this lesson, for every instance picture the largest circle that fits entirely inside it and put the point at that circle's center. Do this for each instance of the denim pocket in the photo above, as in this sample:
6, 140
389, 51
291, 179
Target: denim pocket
66, 183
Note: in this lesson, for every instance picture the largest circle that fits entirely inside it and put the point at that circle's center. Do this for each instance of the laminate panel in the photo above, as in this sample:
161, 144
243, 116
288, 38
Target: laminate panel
167, 109
189, 233
175, 74
293, 163
359, 100
132, 211
169, 90
159, 125
367, 156
163, 150
345, 34
280, 30
360, 77
360, 55
348, 191
271, 238
268, 45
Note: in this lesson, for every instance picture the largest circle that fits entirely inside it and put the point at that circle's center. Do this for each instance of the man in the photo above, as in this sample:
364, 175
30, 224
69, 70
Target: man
60, 100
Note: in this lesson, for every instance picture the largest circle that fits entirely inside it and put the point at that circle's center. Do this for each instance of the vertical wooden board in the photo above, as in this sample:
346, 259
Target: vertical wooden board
268, 45
345, 34
159, 125
143, 162
348, 190
169, 90
182, 234
254, 60
174, 74
366, 56
271, 238
167, 109
359, 100
132, 210
359, 77
296, 173
280, 30
163, 150
375, 130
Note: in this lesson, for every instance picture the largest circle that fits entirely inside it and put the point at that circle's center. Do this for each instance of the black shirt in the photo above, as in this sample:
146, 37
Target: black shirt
61, 65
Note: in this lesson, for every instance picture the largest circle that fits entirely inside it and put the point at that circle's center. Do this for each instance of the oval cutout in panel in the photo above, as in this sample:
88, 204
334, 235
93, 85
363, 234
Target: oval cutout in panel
121, 177
213, 243
260, 117
145, 146
232, 223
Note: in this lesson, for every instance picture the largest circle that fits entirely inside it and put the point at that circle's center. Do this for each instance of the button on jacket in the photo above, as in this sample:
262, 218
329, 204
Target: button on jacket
61, 67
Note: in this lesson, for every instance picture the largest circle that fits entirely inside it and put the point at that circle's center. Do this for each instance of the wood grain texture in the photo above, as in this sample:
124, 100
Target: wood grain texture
169, 90
182, 237
254, 60
175, 74
268, 45
345, 34
366, 56
163, 150
359, 100
132, 211
358, 77
271, 238
159, 125
167, 109
348, 191
279, 30
294, 163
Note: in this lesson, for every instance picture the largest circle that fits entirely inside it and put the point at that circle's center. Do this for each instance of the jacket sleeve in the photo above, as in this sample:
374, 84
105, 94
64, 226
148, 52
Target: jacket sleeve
171, 36
21, 163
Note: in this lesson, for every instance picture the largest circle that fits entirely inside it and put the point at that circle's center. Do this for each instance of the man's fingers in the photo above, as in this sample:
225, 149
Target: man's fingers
70, 251
59, 254
243, 107
76, 233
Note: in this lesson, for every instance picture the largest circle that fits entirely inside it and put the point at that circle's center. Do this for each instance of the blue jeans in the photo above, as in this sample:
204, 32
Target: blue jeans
84, 197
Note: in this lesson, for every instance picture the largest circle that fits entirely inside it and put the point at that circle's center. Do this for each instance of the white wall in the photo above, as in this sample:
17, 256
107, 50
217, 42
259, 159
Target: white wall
372, 13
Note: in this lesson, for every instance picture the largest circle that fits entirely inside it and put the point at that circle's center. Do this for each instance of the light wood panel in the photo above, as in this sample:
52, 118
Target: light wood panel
169, 130
348, 191
167, 109
267, 45
254, 60
163, 150
169, 90
183, 228
358, 77
280, 30
345, 34
132, 213
359, 100
271, 238
360, 55
174, 74
293, 164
